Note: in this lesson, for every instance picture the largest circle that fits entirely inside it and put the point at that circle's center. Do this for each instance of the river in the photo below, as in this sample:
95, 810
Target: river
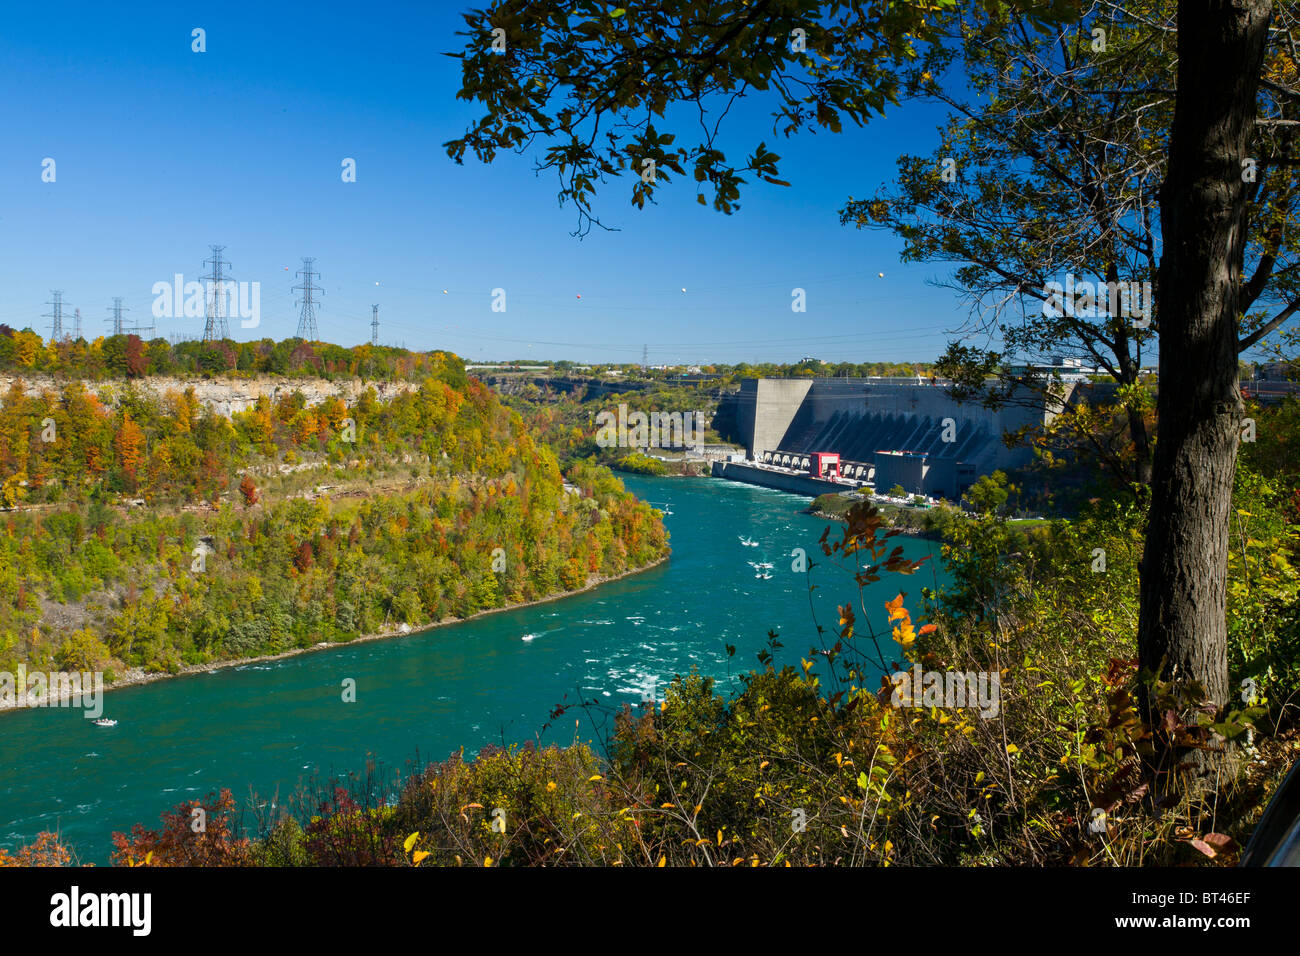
270, 727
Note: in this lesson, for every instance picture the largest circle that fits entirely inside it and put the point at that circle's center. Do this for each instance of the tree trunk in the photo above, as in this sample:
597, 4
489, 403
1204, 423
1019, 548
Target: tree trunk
1182, 631
1137, 430
1130, 370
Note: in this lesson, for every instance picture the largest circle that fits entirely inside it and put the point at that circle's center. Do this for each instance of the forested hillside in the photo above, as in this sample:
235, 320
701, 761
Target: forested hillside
154, 533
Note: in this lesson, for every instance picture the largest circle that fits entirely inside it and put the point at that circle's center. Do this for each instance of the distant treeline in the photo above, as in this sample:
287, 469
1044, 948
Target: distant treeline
806, 368
129, 356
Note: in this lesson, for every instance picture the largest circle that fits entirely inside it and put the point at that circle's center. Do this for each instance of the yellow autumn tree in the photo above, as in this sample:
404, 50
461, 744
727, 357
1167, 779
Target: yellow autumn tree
12, 491
27, 346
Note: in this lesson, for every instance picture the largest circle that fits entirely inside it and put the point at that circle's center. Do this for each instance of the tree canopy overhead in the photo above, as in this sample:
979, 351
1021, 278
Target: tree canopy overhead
588, 82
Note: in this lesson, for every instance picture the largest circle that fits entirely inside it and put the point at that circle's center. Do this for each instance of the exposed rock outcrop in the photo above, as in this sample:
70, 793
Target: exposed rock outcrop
223, 395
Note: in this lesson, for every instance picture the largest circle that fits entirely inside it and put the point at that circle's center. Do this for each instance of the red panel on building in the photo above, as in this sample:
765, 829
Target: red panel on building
820, 460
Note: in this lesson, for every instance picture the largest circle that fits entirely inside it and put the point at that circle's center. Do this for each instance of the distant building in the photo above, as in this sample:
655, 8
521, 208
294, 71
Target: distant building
1275, 371
1067, 369
920, 473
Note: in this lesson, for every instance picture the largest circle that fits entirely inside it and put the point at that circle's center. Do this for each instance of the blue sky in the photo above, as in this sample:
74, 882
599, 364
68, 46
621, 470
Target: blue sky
161, 152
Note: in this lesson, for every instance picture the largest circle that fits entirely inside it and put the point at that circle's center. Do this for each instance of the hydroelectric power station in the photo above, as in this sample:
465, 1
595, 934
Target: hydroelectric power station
879, 432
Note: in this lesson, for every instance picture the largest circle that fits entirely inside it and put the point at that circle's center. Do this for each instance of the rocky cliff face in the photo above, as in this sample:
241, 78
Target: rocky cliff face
223, 395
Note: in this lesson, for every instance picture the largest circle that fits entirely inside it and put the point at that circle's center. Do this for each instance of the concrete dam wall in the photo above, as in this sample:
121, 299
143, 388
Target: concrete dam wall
885, 432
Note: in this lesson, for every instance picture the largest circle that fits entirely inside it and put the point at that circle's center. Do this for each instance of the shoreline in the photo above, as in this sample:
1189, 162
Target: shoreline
136, 677
909, 532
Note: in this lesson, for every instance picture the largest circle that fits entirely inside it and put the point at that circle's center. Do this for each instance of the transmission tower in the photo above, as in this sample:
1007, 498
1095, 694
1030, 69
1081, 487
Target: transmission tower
76, 324
214, 326
307, 320
374, 325
145, 332
56, 326
117, 315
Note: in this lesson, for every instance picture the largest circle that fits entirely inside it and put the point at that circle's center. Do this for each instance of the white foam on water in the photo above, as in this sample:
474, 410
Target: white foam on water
642, 685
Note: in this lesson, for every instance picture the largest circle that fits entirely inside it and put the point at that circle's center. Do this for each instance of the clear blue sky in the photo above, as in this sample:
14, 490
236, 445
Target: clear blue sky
161, 151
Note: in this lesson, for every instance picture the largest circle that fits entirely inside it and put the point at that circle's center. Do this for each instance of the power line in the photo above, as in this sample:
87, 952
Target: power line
146, 332
214, 325
307, 320
839, 340
56, 326
117, 311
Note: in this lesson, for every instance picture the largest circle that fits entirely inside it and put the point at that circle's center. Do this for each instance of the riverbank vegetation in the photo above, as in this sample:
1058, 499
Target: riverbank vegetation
990, 496
568, 423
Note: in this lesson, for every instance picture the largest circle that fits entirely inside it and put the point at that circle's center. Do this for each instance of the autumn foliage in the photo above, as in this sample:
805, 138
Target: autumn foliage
446, 475
249, 491
194, 833
48, 850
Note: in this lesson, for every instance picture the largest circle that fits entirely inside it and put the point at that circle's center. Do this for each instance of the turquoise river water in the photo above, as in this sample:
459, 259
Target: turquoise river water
272, 727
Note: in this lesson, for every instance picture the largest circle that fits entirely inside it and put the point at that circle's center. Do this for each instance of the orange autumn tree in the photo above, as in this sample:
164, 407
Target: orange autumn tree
249, 491
130, 447
194, 833
46, 851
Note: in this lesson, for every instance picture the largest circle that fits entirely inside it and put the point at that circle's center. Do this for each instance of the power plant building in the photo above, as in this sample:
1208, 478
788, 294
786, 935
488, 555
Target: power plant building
885, 432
